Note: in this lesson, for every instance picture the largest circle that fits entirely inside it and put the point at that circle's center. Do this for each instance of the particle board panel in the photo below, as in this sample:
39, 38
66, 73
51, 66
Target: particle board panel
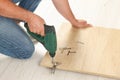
94, 50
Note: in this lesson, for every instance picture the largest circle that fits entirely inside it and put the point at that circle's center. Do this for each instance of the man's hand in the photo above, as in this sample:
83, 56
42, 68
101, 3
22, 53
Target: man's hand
81, 24
36, 24
64, 9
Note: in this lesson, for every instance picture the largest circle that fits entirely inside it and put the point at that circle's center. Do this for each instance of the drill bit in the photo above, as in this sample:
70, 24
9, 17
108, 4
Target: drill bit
54, 65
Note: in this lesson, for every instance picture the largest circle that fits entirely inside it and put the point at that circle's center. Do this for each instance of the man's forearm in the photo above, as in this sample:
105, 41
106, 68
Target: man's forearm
63, 7
9, 9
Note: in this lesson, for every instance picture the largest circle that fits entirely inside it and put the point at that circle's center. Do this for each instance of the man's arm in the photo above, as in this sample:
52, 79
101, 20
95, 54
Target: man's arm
9, 9
63, 7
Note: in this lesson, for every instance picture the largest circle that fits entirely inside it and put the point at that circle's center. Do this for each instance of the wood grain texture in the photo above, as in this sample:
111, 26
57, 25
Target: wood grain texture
94, 50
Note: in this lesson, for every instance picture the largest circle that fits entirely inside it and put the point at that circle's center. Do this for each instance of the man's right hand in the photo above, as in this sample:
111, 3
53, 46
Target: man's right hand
36, 24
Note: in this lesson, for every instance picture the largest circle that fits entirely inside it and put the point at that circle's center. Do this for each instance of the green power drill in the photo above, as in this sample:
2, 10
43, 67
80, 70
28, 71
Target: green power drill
49, 41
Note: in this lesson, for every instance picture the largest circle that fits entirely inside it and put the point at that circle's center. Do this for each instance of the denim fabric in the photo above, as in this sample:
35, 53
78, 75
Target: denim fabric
15, 1
14, 42
28, 4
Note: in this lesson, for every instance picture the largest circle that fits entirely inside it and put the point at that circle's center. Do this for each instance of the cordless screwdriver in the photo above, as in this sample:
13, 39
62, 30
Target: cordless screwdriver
49, 41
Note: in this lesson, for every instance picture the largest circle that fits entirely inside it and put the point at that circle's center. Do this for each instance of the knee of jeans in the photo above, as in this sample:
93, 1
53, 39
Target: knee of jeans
27, 52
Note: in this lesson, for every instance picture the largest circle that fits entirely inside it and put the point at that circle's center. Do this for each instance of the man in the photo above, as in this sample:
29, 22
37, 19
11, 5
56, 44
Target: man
14, 42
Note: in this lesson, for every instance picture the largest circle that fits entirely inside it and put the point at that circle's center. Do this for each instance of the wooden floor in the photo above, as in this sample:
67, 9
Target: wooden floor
98, 12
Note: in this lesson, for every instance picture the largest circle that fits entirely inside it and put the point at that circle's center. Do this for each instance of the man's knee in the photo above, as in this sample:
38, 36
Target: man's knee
26, 52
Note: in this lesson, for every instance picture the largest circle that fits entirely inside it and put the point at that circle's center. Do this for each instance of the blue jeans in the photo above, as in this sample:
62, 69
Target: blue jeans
14, 42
